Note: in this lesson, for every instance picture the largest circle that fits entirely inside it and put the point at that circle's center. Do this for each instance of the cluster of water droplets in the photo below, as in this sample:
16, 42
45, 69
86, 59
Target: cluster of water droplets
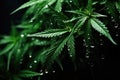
116, 28
101, 40
88, 46
42, 72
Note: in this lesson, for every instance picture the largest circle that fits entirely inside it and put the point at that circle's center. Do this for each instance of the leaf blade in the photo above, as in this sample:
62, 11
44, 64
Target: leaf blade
100, 27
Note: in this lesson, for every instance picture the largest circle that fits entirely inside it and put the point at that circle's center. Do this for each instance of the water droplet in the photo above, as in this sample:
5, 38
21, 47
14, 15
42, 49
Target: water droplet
22, 35
87, 56
117, 35
30, 66
70, 1
37, 40
116, 26
89, 38
102, 58
18, 50
68, 49
91, 65
41, 73
51, 23
31, 21
71, 55
35, 61
46, 72
30, 56
88, 34
86, 46
92, 46
20, 62
33, 38
113, 20
101, 44
112, 17
83, 40
46, 6
53, 71
40, 21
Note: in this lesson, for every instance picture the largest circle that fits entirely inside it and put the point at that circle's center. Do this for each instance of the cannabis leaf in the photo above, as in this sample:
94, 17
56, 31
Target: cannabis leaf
58, 6
100, 27
71, 47
30, 3
28, 73
49, 33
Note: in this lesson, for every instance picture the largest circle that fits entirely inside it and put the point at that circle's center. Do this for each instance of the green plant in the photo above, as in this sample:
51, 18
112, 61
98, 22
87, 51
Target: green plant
50, 27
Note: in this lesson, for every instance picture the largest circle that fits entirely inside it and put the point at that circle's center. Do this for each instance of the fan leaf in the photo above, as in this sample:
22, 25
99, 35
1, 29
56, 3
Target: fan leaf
100, 27
27, 4
49, 33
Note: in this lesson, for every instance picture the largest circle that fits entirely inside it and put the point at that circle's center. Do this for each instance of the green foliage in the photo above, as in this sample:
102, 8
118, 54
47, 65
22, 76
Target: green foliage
27, 73
48, 30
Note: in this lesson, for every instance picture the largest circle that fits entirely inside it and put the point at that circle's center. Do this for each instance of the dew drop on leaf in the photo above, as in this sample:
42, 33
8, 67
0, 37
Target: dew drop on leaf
41, 73
22, 35
31, 21
46, 6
